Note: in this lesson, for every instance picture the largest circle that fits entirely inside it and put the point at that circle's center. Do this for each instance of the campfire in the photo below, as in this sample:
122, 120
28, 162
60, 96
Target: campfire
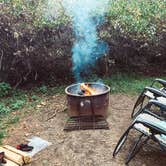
87, 106
86, 90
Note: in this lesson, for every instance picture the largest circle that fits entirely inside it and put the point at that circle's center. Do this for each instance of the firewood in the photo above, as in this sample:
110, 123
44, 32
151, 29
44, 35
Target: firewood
26, 157
12, 156
87, 89
9, 163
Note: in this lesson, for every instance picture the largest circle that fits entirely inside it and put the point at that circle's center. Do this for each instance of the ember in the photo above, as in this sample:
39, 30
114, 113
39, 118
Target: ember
87, 90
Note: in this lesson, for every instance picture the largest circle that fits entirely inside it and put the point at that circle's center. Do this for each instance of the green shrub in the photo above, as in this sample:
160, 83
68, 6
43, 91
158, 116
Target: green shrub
17, 104
4, 108
141, 18
38, 12
2, 135
42, 89
5, 89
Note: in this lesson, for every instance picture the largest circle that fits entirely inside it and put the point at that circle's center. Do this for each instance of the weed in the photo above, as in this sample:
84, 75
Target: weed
5, 89
13, 120
17, 104
43, 89
2, 135
129, 84
35, 98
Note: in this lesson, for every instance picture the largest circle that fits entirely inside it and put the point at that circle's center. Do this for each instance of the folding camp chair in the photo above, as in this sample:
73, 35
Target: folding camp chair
150, 126
150, 93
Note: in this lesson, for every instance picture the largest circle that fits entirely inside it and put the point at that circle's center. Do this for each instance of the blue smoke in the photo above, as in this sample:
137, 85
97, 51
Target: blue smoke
86, 16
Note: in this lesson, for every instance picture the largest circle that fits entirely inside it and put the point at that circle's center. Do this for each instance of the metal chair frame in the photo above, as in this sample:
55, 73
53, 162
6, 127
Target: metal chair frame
156, 93
142, 139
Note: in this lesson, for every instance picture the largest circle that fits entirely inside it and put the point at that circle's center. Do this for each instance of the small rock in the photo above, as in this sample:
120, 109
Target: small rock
45, 162
38, 106
43, 103
143, 164
27, 134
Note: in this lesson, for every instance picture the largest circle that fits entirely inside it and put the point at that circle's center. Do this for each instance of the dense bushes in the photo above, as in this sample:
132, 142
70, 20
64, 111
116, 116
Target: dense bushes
139, 39
142, 19
4, 89
34, 55
36, 44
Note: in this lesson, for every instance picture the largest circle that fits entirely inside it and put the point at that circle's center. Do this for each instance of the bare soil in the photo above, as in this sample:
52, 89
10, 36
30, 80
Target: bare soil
82, 148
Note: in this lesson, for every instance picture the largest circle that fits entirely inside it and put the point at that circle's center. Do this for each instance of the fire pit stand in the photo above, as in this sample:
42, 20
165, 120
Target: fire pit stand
87, 112
86, 122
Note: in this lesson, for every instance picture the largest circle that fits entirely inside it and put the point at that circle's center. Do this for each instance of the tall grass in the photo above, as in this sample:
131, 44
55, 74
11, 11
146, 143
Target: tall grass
128, 84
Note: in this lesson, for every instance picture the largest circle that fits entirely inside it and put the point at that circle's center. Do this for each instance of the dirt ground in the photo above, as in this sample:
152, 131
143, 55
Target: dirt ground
81, 148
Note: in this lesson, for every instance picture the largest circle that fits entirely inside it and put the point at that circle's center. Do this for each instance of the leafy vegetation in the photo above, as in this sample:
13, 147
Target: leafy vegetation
37, 38
4, 89
38, 13
139, 18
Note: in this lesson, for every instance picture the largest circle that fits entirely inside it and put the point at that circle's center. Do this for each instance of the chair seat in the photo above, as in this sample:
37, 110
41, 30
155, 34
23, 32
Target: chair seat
151, 120
161, 138
162, 99
143, 129
151, 96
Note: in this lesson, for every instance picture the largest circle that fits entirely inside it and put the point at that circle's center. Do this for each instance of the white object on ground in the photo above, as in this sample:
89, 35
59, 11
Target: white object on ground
38, 145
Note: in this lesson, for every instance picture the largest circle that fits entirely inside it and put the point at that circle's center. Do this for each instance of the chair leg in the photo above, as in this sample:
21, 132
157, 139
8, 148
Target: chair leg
136, 148
121, 142
139, 103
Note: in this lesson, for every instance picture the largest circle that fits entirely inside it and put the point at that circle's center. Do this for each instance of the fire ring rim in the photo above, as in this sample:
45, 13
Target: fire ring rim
76, 95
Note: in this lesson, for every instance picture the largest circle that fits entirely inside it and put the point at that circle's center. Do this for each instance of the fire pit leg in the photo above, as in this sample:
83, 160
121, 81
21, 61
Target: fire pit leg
79, 114
93, 113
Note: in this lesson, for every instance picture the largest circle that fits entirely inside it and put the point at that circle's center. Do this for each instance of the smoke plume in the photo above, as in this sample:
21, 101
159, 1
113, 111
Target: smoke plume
86, 16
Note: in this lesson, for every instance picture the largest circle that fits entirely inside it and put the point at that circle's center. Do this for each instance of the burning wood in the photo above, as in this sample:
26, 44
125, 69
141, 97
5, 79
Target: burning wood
87, 89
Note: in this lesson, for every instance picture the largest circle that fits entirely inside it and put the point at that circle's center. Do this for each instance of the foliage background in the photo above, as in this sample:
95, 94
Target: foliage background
36, 40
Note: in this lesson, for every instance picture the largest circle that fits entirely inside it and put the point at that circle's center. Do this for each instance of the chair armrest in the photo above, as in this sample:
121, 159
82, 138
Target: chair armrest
156, 126
161, 81
152, 127
156, 92
158, 103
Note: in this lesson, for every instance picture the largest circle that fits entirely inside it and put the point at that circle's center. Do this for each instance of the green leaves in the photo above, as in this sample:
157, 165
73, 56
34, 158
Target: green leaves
4, 89
142, 18
4, 108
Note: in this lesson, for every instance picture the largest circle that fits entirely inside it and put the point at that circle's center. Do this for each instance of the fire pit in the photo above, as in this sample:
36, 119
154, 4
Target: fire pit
87, 103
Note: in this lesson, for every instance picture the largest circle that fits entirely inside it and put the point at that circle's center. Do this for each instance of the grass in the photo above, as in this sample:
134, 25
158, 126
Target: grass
24, 101
21, 101
128, 84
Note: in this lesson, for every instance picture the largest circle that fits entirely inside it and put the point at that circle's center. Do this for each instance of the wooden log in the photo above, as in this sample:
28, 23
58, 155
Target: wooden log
86, 88
12, 156
25, 156
9, 163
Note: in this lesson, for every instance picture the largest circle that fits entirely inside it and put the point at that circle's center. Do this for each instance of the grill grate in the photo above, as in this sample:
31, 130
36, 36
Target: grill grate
85, 123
